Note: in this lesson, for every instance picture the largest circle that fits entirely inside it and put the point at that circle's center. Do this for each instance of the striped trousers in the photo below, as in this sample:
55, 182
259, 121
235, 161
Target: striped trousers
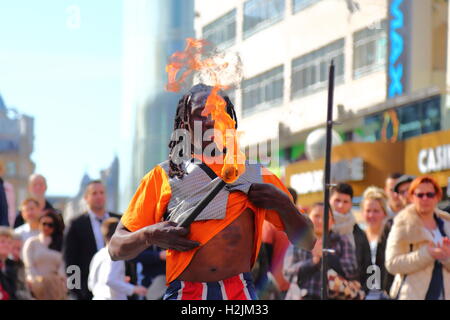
239, 287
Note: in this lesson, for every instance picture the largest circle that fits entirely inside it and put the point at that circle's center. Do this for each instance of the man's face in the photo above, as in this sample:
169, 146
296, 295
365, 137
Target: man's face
206, 136
95, 196
37, 187
316, 216
31, 212
394, 200
403, 194
340, 202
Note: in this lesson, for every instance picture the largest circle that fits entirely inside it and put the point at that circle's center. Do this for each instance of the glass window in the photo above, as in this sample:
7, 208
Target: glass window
413, 120
222, 31
259, 14
263, 91
298, 5
310, 72
369, 49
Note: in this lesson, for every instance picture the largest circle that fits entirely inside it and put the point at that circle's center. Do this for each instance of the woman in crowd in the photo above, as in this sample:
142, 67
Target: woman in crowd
43, 260
374, 213
418, 247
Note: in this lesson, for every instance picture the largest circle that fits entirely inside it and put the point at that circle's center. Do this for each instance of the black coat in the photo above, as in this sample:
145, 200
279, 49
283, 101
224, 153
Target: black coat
79, 248
8, 279
3, 206
363, 256
386, 278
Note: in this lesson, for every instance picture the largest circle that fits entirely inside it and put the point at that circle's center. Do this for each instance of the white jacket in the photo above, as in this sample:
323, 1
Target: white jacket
107, 278
408, 230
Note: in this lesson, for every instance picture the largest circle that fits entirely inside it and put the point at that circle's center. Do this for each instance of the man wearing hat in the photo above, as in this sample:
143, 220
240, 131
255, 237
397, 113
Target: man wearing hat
401, 188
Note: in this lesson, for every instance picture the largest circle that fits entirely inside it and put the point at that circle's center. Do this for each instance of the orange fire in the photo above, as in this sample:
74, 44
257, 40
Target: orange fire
234, 161
184, 64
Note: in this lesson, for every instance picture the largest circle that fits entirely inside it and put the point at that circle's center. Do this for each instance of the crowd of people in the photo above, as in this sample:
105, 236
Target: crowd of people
396, 246
399, 230
397, 249
42, 259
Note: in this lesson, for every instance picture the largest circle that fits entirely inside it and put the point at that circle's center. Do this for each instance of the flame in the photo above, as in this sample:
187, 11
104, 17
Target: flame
186, 63
190, 60
234, 161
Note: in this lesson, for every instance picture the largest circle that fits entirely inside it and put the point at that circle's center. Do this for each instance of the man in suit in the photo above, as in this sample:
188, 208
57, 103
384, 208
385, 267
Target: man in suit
83, 237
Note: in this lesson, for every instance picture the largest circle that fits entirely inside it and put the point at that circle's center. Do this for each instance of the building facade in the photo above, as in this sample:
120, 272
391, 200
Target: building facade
16, 147
153, 31
391, 81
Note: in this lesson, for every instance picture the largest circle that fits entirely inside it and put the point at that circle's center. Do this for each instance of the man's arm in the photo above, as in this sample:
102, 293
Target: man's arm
298, 227
126, 245
300, 263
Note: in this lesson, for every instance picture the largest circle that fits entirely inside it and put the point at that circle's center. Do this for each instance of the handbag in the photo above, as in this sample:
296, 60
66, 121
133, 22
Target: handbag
340, 288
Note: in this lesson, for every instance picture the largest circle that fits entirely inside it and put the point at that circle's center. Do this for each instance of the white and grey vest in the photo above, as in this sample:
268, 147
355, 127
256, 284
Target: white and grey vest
187, 192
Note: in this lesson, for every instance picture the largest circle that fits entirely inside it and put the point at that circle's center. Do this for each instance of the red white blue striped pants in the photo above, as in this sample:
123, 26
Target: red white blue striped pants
239, 287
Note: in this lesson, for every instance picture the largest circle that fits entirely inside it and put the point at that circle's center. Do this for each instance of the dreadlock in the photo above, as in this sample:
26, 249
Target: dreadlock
182, 117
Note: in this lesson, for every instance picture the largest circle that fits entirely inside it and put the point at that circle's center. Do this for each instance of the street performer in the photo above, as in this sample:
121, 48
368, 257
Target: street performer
213, 257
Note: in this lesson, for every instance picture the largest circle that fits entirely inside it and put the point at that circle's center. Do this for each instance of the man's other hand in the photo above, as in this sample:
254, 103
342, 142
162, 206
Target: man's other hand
267, 196
168, 235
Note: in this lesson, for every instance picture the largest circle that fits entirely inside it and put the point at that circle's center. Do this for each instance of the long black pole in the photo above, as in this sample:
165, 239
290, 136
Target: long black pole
326, 199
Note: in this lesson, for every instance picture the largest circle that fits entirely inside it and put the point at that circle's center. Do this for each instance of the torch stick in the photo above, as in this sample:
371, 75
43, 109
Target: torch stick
326, 201
218, 184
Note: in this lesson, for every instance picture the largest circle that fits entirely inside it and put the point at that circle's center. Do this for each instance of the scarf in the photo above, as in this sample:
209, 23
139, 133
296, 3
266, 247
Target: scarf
344, 223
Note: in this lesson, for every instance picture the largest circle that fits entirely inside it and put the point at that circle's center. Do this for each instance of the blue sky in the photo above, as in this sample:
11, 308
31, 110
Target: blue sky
61, 63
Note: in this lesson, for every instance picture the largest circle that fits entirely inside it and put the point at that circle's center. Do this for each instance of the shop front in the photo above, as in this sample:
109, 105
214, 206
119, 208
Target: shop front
363, 164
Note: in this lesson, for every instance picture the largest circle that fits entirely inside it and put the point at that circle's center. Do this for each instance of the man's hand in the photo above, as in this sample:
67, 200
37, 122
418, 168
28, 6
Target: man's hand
267, 196
140, 291
168, 235
317, 251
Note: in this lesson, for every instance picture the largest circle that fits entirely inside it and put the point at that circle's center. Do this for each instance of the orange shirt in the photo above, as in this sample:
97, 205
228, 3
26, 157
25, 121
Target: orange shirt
150, 203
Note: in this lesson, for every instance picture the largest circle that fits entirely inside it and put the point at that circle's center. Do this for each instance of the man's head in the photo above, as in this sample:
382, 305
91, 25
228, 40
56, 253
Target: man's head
341, 198
5, 242
95, 196
393, 199
37, 186
316, 216
401, 188
188, 117
108, 227
31, 212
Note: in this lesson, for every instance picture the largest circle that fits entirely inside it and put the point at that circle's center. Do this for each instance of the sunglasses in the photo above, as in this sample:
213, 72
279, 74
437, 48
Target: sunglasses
50, 225
429, 195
